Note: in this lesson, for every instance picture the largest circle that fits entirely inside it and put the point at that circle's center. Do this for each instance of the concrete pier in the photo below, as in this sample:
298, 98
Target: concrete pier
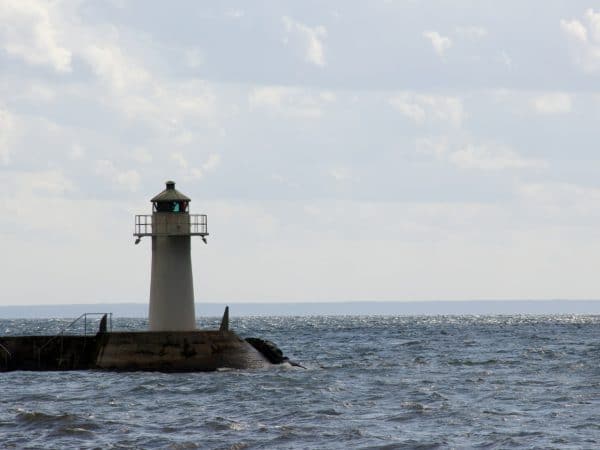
178, 351
182, 351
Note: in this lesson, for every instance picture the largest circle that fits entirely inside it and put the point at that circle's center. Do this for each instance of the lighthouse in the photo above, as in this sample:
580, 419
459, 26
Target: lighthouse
172, 343
171, 227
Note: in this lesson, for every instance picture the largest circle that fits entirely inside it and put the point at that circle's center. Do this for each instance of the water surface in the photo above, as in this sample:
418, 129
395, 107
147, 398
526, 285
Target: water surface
370, 382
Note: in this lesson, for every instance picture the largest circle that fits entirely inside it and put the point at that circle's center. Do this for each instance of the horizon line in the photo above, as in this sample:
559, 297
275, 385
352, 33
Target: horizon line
310, 302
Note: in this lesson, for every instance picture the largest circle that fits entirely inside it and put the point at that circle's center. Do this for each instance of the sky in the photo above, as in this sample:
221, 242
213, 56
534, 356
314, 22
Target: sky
343, 150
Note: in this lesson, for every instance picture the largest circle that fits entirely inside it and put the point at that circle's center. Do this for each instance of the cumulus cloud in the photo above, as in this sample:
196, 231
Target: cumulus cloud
439, 43
141, 155
76, 152
471, 32
432, 147
552, 103
113, 67
268, 96
505, 59
194, 173
310, 39
585, 39
31, 33
486, 156
124, 179
491, 157
341, 173
422, 107
38, 33
212, 162
410, 109
210, 165
288, 101
234, 13
51, 181
575, 29
180, 159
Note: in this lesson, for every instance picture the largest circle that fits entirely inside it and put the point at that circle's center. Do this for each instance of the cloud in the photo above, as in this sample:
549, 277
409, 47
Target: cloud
487, 157
410, 109
212, 162
180, 160
123, 81
35, 194
31, 33
585, 40
433, 147
78, 141
141, 155
268, 96
440, 43
563, 201
234, 13
194, 173
124, 179
113, 67
575, 29
505, 59
210, 165
194, 58
77, 152
422, 107
471, 32
341, 173
552, 103
136, 93
491, 157
51, 181
311, 40
170, 108
7, 130
294, 102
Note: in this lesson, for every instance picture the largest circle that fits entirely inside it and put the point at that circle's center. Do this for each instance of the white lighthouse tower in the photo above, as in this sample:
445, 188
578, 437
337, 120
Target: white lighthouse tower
171, 287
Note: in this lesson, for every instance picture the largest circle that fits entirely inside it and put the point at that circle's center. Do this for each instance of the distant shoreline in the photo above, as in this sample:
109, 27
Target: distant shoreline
408, 308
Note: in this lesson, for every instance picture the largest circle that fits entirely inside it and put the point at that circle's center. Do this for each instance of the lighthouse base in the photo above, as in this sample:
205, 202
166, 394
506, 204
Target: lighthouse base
178, 351
165, 351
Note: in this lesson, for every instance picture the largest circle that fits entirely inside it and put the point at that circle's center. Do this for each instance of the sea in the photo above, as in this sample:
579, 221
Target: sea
372, 382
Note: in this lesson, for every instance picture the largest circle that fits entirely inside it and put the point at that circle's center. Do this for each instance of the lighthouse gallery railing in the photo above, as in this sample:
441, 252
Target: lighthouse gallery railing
171, 225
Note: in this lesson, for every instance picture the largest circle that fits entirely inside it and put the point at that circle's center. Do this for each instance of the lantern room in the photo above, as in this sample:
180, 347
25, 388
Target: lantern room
170, 200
